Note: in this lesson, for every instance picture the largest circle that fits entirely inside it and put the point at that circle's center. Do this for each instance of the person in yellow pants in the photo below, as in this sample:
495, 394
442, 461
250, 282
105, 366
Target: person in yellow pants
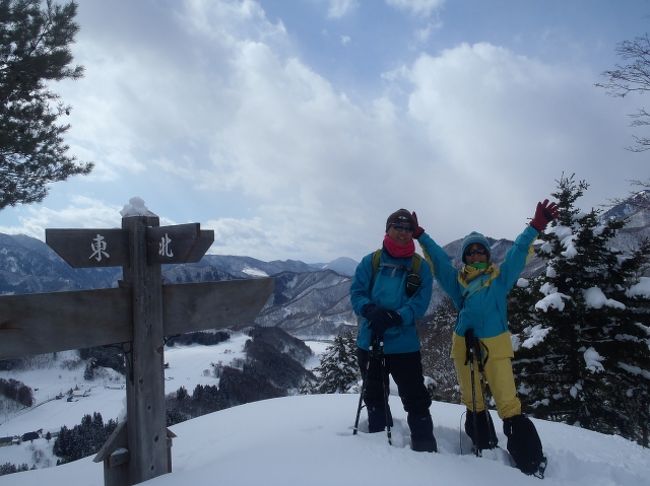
498, 373
479, 291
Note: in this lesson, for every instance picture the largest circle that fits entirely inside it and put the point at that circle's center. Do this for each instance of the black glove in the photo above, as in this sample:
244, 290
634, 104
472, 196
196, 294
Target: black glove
380, 319
370, 311
417, 232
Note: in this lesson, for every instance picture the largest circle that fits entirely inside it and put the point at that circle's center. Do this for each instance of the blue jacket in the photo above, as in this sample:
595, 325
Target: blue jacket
482, 304
389, 292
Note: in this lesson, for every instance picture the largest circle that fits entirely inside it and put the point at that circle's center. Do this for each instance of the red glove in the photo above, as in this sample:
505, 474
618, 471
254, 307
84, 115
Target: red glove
544, 213
417, 232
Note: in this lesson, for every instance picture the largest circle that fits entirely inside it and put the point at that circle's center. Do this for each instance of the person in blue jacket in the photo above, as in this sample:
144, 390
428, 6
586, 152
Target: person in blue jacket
388, 300
479, 291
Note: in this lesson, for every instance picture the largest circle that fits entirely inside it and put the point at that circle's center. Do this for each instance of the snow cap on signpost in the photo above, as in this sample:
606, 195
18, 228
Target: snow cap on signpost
135, 207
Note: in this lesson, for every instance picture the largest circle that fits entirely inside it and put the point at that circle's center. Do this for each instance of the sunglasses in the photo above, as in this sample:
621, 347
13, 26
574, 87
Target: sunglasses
476, 251
400, 227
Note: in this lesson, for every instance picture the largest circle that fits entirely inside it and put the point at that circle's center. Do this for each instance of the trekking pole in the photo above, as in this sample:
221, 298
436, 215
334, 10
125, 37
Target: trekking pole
469, 359
376, 351
384, 379
492, 441
364, 376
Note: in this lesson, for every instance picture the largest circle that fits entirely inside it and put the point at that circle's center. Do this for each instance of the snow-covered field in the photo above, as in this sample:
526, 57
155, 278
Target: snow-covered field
188, 366
104, 394
33, 453
304, 440
307, 440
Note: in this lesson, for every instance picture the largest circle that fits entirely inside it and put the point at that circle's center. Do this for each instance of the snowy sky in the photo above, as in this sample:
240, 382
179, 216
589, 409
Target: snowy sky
294, 128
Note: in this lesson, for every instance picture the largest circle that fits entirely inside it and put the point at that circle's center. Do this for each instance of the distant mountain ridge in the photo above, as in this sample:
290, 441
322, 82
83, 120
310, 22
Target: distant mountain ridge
636, 210
27, 265
342, 265
310, 300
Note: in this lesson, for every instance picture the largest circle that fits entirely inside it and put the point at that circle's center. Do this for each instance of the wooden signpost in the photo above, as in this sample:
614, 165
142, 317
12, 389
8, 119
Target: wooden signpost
138, 314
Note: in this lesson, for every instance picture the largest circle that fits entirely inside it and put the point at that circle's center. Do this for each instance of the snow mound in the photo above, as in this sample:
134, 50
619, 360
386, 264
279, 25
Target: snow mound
307, 440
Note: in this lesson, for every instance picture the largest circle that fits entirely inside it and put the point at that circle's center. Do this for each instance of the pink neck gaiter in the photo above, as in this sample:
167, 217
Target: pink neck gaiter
399, 251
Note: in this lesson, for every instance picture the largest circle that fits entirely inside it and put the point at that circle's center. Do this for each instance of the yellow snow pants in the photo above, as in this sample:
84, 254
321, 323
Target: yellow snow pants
498, 372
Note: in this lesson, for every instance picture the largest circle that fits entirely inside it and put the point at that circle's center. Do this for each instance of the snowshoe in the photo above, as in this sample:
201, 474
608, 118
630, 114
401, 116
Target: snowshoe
487, 436
524, 445
422, 438
424, 444
377, 419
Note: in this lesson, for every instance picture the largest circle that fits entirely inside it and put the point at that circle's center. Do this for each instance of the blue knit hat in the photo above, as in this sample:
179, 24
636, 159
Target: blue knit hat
470, 239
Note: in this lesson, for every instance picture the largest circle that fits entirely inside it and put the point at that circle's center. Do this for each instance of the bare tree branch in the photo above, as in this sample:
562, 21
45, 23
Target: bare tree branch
632, 77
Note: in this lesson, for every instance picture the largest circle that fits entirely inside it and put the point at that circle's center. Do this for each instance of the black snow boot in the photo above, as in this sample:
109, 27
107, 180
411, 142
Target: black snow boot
422, 439
524, 445
377, 419
487, 436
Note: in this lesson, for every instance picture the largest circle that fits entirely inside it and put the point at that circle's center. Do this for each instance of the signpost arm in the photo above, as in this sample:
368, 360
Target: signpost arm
145, 392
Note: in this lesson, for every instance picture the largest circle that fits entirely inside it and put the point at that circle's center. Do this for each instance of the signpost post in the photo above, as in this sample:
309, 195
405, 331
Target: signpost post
138, 314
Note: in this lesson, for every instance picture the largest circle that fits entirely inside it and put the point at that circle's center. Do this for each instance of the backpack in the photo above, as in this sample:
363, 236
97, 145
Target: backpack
413, 280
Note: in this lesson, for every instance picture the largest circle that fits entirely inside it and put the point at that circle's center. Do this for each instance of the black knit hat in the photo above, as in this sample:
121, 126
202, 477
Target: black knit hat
401, 216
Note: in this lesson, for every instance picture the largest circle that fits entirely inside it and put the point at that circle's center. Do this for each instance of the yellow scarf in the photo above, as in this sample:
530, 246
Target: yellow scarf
468, 273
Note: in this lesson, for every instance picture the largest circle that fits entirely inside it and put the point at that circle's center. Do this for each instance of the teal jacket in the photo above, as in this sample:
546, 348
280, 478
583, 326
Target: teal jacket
389, 292
482, 303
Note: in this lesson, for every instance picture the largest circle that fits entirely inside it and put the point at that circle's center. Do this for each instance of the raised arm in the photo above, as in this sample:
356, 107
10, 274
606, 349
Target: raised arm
443, 270
515, 260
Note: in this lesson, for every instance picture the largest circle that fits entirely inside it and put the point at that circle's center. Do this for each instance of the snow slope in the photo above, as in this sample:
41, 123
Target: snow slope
307, 440
188, 366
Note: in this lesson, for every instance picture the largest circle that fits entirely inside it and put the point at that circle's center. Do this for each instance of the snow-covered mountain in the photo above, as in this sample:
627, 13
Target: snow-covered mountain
307, 440
28, 265
342, 265
636, 211
309, 305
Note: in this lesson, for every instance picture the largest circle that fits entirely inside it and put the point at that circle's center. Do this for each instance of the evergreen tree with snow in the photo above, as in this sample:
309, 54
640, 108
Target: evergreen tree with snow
338, 370
581, 327
435, 333
83, 439
35, 50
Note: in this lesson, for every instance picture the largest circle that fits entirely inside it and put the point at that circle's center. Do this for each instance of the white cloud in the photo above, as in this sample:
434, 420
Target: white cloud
81, 212
235, 236
340, 8
423, 34
220, 114
508, 125
417, 7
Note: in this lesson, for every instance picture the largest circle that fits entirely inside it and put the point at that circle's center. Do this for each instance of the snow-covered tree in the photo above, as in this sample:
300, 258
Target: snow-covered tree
338, 371
35, 50
435, 333
83, 439
582, 328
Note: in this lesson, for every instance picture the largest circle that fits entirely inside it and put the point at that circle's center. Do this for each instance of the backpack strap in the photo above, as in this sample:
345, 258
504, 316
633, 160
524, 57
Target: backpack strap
416, 262
376, 261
